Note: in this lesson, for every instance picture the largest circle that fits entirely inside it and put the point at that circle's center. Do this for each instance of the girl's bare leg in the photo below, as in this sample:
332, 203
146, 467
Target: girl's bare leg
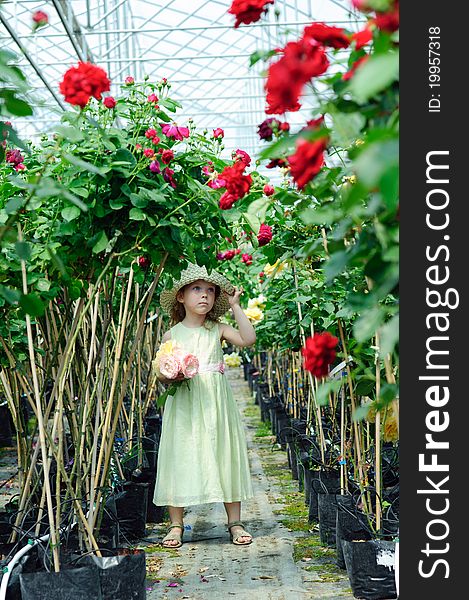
233, 512
176, 515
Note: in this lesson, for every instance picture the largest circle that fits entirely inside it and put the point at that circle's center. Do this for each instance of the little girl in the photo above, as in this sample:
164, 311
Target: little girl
202, 455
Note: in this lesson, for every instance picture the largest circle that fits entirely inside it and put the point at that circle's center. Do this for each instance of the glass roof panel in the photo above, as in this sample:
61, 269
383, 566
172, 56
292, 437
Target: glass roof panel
193, 44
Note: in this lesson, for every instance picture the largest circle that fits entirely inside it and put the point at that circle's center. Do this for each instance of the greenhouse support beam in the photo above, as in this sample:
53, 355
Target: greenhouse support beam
31, 61
92, 32
108, 13
73, 28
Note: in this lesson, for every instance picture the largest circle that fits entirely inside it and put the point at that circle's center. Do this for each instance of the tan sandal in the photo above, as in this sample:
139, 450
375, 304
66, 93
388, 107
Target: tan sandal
173, 536
240, 534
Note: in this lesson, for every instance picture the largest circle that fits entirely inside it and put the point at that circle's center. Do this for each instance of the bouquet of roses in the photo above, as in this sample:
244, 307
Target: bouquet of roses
175, 364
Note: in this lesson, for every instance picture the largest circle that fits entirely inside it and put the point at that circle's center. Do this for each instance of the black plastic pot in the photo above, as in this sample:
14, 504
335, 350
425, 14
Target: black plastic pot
121, 575
81, 583
327, 510
350, 525
132, 504
150, 444
6, 429
313, 510
370, 568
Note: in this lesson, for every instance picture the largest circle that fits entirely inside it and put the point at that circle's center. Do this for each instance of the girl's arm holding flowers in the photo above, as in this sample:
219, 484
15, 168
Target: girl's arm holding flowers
246, 336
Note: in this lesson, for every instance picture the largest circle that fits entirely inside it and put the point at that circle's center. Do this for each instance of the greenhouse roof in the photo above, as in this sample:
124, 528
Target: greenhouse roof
193, 44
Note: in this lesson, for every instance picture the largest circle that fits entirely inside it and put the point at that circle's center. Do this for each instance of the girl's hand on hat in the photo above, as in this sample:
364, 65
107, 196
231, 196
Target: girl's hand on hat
234, 298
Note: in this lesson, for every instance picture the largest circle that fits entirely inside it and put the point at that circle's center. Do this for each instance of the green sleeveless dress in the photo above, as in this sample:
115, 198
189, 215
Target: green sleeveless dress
202, 455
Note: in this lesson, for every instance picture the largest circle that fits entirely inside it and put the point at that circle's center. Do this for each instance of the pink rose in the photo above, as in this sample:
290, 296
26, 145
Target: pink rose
190, 366
169, 366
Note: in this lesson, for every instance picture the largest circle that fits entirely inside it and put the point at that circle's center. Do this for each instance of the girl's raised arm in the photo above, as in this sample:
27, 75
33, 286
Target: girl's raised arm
246, 336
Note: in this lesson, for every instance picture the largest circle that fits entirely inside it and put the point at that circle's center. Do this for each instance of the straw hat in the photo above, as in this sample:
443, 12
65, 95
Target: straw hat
192, 273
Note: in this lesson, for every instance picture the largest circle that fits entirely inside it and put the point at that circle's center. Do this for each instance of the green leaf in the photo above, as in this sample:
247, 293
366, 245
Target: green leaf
169, 392
347, 127
74, 200
43, 285
261, 55
389, 336
125, 156
10, 294
70, 213
23, 250
138, 201
324, 389
136, 214
117, 203
376, 160
71, 134
82, 164
361, 411
368, 324
388, 393
101, 244
32, 304
376, 74
255, 214
13, 205
18, 107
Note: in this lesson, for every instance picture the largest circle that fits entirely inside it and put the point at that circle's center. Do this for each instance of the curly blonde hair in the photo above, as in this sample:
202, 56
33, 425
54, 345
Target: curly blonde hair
178, 312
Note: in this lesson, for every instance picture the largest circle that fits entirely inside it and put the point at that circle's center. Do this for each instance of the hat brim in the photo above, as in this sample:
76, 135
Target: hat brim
193, 273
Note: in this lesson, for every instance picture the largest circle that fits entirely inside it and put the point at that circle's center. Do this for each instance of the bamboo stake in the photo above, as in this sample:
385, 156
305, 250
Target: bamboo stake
109, 449
42, 438
378, 438
362, 475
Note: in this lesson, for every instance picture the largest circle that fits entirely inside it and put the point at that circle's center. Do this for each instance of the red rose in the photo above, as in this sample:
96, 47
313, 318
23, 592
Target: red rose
129, 80
40, 19
149, 152
218, 133
329, 36
227, 201
168, 177
351, 72
83, 82
267, 129
301, 61
237, 185
265, 234
14, 157
229, 254
269, 190
109, 102
144, 262
237, 251
362, 38
276, 162
389, 20
284, 126
150, 133
307, 161
247, 258
242, 156
362, 5
153, 98
167, 156
319, 353
248, 11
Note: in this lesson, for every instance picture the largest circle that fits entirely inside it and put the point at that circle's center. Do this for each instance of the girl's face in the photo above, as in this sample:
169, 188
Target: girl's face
198, 297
